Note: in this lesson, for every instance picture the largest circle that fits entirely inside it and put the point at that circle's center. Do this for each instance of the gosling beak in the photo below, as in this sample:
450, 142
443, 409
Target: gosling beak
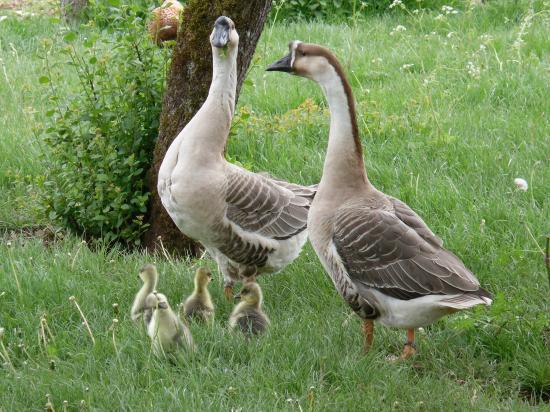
220, 37
163, 305
281, 65
237, 296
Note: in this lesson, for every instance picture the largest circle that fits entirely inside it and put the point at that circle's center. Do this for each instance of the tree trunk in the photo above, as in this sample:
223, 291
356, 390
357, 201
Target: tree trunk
187, 88
71, 9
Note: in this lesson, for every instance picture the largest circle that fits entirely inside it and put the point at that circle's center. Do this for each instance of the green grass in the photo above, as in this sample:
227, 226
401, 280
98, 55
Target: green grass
446, 141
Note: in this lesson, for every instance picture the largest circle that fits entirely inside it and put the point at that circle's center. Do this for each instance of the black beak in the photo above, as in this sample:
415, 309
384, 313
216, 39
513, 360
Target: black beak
163, 305
220, 37
237, 296
281, 65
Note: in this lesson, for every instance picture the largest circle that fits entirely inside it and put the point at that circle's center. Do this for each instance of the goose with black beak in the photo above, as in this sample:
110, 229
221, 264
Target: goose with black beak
382, 258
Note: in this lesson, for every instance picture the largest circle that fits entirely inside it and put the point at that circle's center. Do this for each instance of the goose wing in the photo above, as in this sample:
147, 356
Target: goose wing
260, 204
397, 254
411, 219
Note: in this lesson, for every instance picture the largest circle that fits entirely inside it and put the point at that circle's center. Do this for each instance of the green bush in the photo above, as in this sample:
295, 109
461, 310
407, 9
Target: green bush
341, 10
101, 138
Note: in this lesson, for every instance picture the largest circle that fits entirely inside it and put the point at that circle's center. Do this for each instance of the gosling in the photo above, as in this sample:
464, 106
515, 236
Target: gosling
199, 305
248, 316
149, 276
166, 330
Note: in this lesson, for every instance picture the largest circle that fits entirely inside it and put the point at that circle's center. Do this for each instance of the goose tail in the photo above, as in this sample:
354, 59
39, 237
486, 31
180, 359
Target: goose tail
468, 300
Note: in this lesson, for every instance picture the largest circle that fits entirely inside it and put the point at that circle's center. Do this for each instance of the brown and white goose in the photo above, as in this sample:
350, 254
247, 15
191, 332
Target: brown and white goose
250, 223
382, 258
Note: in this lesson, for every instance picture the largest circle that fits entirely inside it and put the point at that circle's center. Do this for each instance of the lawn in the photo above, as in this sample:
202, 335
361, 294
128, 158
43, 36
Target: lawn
452, 107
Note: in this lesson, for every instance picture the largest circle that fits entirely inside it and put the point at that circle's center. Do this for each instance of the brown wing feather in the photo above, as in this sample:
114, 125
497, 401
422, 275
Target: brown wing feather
379, 250
411, 219
270, 207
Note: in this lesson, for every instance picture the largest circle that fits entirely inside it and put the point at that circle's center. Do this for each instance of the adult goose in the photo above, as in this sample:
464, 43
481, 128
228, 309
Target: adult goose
382, 258
250, 223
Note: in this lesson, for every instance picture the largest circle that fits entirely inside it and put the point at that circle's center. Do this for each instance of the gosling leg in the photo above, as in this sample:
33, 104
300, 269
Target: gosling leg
228, 291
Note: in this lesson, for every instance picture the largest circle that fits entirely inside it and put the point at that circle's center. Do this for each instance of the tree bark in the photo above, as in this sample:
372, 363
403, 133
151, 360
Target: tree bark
71, 9
187, 87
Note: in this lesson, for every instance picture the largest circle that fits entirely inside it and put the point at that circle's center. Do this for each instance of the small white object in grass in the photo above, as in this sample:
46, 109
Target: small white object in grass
2, 333
521, 184
395, 3
398, 28
2, 18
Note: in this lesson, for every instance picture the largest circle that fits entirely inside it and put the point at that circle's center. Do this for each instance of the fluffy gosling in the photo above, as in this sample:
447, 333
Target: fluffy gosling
149, 276
248, 316
166, 330
199, 305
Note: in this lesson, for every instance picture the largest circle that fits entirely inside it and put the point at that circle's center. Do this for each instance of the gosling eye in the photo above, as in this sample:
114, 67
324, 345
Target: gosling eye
245, 291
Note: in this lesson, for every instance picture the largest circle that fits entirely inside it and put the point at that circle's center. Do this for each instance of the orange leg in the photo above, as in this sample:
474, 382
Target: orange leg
368, 331
410, 348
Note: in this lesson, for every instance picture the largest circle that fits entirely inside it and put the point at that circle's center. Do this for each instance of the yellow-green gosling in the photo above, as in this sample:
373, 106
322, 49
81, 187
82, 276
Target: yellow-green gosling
149, 276
199, 305
166, 330
248, 316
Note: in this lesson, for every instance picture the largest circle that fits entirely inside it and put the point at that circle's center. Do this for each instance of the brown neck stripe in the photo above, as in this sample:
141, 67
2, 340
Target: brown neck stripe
316, 50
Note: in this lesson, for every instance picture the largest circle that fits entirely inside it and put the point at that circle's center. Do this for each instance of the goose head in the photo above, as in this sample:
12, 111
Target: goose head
157, 301
148, 274
251, 293
203, 277
308, 60
224, 36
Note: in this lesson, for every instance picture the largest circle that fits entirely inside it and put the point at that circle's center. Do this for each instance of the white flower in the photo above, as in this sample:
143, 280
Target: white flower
407, 66
521, 184
397, 29
2, 18
450, 34
473, 70
439, 17
395, 3
482, 47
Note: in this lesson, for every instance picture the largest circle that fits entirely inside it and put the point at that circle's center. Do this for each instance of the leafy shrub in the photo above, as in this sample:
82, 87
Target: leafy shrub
340, 10
101, 138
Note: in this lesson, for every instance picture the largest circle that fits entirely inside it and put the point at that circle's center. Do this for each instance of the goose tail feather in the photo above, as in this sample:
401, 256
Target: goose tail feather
467, 300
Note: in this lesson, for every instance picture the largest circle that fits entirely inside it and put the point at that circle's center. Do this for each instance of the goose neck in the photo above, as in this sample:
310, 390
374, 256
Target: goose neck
224, 78
344, 166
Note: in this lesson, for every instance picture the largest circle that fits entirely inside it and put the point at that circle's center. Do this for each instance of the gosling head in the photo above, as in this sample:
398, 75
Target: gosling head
148, 273
307, 60
157, 300
251, 293
224, 36
203, 277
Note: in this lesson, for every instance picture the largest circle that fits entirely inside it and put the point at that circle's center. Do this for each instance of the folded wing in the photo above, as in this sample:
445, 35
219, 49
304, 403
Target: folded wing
397, 254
